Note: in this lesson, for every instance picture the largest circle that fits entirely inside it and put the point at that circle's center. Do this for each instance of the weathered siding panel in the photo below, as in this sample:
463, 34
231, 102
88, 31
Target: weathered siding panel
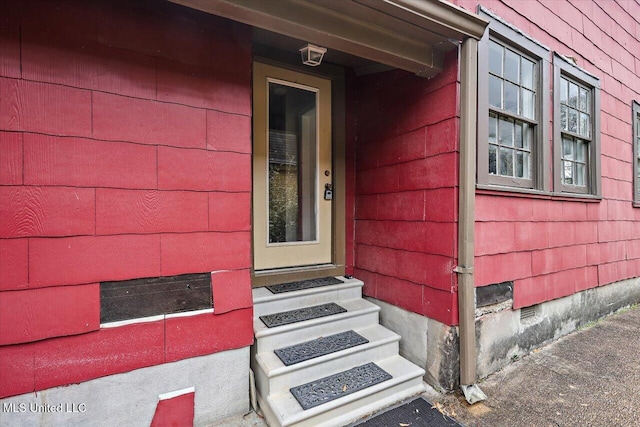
567, 245
125, 152
406, 178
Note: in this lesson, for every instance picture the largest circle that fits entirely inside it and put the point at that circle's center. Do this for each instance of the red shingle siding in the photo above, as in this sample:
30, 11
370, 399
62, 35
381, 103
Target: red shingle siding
14, 264
81, 162
192, 336
10, 158
17, 369
405, 190
44, 108
46, 211
150, 211
137, 346
35, 314
553, 248
89, 259
125, 152
10, 48
121, 118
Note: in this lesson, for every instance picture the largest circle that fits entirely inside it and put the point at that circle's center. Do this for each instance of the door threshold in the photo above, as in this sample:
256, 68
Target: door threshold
293, 274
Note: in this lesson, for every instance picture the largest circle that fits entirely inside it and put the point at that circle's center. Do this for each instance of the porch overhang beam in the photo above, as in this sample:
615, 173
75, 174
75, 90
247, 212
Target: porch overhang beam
443, 18
412, 35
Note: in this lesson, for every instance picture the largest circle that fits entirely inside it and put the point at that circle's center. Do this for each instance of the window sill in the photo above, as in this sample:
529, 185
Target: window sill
589, 198
494, 190
500, 190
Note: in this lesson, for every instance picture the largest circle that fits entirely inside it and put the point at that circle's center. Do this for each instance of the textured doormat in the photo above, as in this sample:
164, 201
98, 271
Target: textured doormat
417, 413
304, 284
339, 385
319, 347
301, 314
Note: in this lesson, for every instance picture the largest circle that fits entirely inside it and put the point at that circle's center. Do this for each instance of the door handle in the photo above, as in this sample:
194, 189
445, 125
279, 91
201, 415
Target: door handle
328, 191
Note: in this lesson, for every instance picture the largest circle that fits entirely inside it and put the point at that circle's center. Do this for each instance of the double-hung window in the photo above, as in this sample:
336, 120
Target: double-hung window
635, 120
576, 129
513, 109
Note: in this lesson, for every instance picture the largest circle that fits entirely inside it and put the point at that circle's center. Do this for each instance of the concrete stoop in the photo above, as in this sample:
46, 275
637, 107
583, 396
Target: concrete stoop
274, 379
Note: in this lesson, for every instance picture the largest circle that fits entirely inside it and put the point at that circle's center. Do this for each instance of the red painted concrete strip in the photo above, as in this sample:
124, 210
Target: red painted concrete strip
176, 411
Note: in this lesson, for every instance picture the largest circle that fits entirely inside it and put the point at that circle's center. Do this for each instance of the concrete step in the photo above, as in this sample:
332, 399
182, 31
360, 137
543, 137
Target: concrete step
265, 302
360, 314
272, 376
282, 409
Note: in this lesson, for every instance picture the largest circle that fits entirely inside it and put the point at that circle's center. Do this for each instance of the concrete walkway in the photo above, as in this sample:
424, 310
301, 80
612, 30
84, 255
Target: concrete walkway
589, 378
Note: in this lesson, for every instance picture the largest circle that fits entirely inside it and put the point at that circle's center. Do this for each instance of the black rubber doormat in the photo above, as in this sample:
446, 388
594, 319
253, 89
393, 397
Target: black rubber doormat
338, 385
417, 413
319, 347
304, 284
301, 314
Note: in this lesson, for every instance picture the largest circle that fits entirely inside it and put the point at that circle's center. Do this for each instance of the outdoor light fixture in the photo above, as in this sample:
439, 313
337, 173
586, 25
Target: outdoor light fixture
312, 54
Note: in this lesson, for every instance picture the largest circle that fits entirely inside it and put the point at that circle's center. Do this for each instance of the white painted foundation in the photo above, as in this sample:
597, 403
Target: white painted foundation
220, 381
423, 340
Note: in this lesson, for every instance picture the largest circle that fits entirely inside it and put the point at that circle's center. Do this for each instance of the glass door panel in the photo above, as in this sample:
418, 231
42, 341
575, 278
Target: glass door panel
292, 164
292, 220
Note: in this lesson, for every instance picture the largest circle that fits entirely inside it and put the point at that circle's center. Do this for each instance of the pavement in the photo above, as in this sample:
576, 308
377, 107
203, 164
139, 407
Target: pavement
252, 419
590, 378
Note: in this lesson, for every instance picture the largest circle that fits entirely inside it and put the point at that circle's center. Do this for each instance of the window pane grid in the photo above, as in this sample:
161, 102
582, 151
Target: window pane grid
576, 131
511, 136
575, 109
574, 161
512, 112
511, 82
510, 145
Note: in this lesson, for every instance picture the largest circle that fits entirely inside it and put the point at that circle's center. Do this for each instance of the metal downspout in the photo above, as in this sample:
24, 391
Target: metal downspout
466, 220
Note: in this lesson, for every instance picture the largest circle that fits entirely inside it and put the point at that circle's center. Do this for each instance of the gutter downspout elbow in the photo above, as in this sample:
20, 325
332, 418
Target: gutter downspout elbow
468, 54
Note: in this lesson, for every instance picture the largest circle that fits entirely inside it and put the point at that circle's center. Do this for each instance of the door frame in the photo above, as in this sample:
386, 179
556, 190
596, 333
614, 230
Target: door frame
338, 228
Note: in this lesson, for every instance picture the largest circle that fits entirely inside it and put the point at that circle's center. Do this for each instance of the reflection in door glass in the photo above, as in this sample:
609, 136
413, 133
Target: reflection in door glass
292, 164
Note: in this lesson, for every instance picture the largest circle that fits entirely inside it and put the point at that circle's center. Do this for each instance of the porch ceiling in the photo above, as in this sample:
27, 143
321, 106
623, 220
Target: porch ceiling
412, 35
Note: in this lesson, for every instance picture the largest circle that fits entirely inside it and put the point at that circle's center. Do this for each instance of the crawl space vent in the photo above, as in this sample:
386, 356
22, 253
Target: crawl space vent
528, 312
